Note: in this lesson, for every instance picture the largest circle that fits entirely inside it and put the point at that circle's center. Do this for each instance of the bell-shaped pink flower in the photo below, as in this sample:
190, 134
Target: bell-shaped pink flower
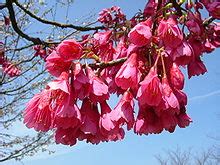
128, 76
55, 65
181, 54
81, 84
169, 121
62, 83
124, 110
103, 37
90, 117
183, 119
89, 129
169, 102
176, 77
67, 113
38, 113
147, 122
69, 50
103, 45
197, 47
196, 67
99, 91
170, 33
66, 136
141, 34
121, 49
168, 95
113, 88
111, 130
195, 23
149, 92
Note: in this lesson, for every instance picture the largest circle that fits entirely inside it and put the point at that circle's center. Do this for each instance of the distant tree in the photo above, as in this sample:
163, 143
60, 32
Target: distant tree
188, 157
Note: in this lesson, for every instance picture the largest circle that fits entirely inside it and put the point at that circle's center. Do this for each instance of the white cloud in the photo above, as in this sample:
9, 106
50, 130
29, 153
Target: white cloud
217, 92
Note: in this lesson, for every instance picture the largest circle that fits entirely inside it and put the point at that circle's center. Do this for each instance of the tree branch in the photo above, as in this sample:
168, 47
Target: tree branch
103, 65
79, 28
17, 29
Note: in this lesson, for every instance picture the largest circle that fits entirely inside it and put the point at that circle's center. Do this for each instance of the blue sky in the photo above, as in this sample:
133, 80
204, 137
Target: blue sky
203, 106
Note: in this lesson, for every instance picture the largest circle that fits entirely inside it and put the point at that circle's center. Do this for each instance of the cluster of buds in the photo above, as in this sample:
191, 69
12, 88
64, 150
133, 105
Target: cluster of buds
112, 16
140, 62
42, 52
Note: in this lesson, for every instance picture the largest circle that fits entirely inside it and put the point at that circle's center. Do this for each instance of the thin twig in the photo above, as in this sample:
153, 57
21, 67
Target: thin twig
62, 25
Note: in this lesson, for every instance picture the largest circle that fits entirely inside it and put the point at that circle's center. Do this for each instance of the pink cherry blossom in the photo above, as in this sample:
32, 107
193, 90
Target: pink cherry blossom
67, 113
196, 67
183, 119
176, 77
147, 122
111, 130
209, 46
103, 45
41, 51
197, 47
69, 50
182, 54
213, 40
121, 49
99, 91
195, 23
140, 60
168, 95
128, 76
113, 88
81, 84
90, 118
54, 65
169, 121
149, 92
66, 136
170, 33
89, 128
38, 113
124, 110
103, 37
141, 34
62, 83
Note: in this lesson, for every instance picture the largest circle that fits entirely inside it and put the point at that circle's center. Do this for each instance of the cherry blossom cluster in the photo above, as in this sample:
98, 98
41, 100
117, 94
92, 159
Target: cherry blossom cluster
7, 67
140, 61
